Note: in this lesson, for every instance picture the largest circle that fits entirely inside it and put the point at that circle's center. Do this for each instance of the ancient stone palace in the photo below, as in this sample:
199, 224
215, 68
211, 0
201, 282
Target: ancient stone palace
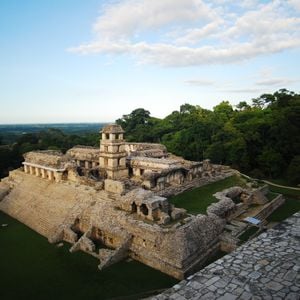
112, 203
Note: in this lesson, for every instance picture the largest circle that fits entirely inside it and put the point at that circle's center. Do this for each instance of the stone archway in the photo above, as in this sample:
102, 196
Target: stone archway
144, 209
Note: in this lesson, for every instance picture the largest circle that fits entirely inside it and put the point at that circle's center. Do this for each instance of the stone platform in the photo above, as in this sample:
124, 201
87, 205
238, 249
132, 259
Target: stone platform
267, 267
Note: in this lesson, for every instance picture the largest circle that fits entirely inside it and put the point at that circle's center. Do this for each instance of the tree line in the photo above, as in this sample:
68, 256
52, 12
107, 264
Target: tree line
11, 155
261, 139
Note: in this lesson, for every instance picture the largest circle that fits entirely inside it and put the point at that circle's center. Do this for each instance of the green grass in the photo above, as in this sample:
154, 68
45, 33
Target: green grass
248, 233
285, 191
282, 181
290, 207
197, 200
270, 195
31, 268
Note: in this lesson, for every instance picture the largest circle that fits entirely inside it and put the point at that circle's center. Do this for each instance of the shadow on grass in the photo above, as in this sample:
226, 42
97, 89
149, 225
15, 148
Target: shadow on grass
197, 200
31, 268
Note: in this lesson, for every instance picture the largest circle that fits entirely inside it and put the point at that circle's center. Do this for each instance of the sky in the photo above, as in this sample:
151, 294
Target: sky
93, 61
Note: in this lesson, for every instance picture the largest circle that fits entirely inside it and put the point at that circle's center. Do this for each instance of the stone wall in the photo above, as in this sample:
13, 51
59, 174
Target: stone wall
134, 147
84, 153
48, 158
113, 186
267, 267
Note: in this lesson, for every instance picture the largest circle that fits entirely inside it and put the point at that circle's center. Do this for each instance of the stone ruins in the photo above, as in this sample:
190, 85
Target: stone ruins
112, 203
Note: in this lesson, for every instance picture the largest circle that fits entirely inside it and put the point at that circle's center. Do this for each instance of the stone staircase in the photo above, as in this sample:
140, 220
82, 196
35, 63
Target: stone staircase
42, 205
114, 256
74, 212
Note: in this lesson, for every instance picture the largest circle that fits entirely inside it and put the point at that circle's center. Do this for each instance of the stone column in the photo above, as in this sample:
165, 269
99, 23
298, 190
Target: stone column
86, 164
94, 164
78, 163
31, 170
37, 172
58, 176
44, 173
50, 175
138, 211
26, 169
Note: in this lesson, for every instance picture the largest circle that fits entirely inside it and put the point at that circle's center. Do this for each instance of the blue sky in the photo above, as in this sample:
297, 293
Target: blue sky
92, 61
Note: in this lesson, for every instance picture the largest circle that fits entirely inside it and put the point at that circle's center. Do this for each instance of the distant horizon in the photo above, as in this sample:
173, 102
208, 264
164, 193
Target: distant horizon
55, 123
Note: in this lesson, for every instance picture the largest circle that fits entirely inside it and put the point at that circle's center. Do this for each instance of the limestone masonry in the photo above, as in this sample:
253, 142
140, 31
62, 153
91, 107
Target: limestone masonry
112, 203
266, 268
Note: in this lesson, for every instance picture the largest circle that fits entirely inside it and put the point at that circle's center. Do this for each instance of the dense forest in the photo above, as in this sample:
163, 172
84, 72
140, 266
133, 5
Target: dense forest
11, 155
261, 139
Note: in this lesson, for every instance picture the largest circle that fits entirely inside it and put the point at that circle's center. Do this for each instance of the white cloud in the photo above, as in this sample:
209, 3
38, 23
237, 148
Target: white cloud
243, 91
126, 18
295, 4
200, 82
193, 36
194, 32
276, 82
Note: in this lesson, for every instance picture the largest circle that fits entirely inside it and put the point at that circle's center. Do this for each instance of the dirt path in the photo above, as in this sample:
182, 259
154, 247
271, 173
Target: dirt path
270, 183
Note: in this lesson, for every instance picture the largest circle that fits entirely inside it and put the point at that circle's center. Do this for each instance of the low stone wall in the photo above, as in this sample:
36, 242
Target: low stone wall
270, 207
267, 267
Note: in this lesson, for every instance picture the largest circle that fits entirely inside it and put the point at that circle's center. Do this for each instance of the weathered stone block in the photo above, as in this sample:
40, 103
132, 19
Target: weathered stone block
113, 186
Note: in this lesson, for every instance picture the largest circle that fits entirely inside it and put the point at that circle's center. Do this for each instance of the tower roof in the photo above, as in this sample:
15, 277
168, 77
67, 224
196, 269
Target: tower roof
112, 128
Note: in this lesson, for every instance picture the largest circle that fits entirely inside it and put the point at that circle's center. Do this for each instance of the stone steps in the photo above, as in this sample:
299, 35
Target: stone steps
41, 205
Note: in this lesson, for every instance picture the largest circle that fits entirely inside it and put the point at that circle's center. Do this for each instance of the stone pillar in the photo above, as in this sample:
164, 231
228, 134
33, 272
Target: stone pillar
94, 164
26, 169
37, 172
86, 164
138, 210
31, 170
44, 173
78, 162
58, 176
50, 175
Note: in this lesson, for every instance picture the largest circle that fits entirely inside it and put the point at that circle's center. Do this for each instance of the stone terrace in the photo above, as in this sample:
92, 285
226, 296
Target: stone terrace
267, 267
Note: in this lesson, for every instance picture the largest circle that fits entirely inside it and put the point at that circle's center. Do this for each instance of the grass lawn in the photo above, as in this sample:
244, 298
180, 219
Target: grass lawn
281, 181
248, 233
31, 268
290, 207
285, 191
197, 200
270, 195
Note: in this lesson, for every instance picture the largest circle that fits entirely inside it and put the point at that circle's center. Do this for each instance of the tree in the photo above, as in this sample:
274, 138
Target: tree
293, 171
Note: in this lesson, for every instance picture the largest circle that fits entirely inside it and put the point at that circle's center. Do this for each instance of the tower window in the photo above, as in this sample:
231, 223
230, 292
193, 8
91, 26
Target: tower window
107, 136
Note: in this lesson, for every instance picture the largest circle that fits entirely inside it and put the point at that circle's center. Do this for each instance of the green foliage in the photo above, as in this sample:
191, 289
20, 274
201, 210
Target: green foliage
293, 171
261, 138
290, 206
11, 156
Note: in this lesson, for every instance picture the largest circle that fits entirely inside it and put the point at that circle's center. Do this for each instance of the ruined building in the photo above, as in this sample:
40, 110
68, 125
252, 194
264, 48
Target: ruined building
112, 202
